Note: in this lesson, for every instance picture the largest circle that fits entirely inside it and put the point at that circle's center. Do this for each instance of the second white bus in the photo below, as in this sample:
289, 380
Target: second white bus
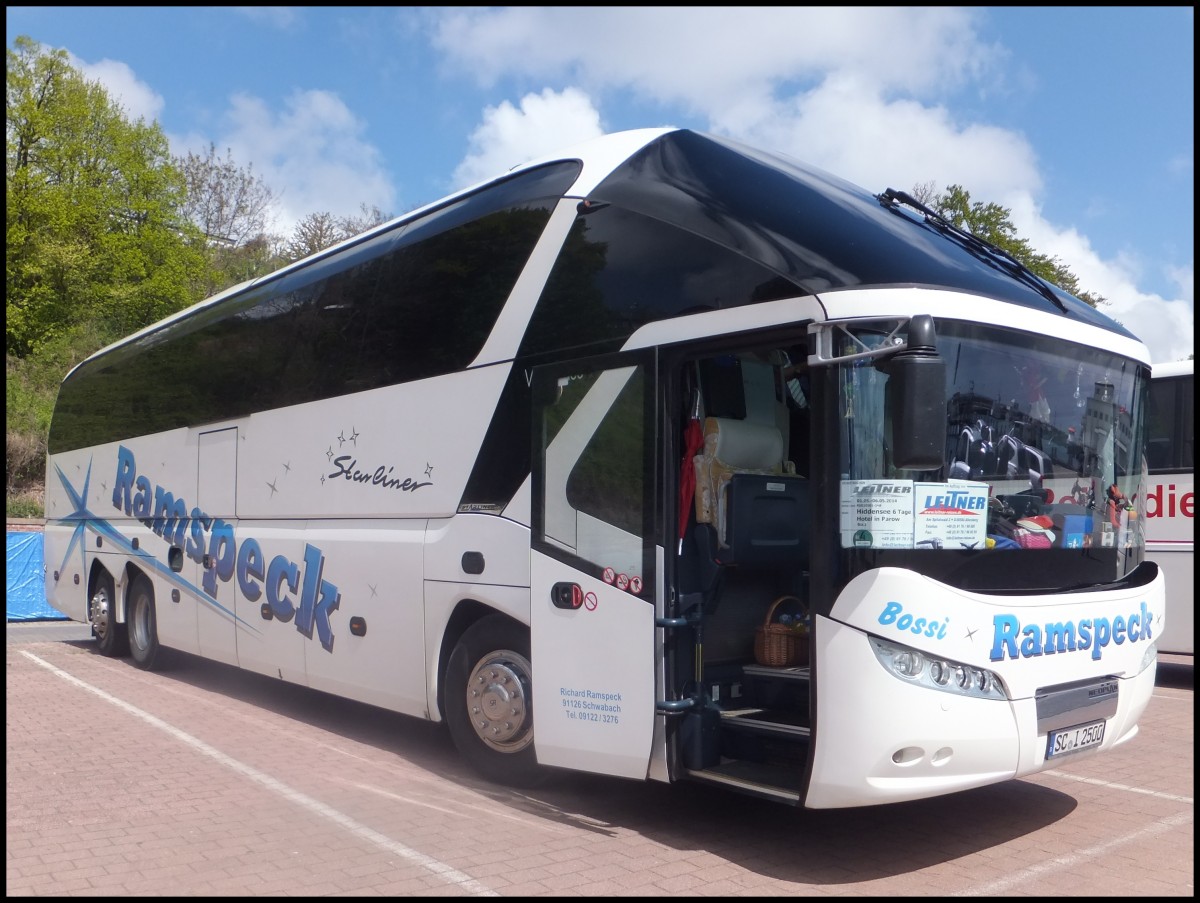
1171, 498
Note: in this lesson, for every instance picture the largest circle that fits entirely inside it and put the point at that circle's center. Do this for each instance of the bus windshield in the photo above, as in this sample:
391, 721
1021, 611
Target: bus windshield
1044, 453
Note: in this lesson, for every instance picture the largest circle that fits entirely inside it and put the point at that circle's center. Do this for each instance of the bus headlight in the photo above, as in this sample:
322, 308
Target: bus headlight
962, 677
908, 662
1149, 658
986, 680
937, 673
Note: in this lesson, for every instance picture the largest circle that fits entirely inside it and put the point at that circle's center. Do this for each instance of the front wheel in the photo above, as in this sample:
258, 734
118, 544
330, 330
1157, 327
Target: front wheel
489, 703
142, 624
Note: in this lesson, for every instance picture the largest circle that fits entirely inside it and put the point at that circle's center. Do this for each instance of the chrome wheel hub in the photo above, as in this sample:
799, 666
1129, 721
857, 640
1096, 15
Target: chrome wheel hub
498, 701
100, 613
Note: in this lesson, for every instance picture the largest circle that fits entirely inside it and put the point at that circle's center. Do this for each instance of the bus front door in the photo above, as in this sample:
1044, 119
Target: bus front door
592, 567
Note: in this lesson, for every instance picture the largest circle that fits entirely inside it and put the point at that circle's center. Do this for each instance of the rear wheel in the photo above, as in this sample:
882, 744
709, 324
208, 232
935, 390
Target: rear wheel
142, 623
489, 703
102, 615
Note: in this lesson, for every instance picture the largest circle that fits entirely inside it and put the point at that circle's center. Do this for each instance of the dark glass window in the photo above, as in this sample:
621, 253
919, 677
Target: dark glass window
821, 232
1171, 424
620, 270
416, 301
594, 484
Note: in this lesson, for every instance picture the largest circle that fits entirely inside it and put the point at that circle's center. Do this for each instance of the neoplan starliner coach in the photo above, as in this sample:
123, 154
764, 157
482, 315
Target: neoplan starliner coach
664, 458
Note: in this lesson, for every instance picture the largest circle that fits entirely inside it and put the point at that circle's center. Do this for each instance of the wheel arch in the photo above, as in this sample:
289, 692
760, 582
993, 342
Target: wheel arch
141, 621
129, 573
99, 570
122, 581
466, 612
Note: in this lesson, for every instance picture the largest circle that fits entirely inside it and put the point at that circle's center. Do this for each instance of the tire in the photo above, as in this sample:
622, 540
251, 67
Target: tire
142, 623
489, 702
111, 637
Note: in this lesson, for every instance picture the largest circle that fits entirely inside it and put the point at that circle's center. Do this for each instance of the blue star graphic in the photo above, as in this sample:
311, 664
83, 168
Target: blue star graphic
85, 520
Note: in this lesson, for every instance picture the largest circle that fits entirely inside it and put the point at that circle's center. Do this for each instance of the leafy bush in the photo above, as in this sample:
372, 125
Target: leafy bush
26, 505
26, 461
31, 387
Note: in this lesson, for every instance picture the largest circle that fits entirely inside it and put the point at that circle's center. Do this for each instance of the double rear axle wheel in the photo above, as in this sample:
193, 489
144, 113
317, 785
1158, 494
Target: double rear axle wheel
138, 636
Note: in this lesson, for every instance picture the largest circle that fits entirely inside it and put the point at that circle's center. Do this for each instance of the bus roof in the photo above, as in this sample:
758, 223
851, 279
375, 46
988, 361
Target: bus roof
1174, 368
820, 233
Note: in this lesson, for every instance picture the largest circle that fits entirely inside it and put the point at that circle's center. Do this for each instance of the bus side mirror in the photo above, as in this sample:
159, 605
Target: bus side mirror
916, 399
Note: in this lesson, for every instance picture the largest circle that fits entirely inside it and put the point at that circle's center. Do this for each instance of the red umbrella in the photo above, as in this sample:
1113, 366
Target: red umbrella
693, 441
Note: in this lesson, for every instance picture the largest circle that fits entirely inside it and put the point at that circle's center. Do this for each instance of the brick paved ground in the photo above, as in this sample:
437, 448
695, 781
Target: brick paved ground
201, 780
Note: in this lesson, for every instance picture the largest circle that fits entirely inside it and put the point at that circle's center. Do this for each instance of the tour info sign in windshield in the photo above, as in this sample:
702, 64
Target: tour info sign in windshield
904, 514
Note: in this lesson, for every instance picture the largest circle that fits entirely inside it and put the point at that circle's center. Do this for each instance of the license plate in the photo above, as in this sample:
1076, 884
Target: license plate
1073, 739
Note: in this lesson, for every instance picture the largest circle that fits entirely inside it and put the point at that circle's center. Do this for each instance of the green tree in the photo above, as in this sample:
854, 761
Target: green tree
229, 205
315, 232
319, 231
367, 218
994, 223
31, 386
93, 204
97, 246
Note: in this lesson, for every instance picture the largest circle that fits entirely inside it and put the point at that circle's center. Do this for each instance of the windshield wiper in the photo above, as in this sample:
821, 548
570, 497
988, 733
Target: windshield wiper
991, 254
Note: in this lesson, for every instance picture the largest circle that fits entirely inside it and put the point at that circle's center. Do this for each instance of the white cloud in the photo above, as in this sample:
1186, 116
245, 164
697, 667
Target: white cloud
709, 58
845, 125
868, 94
509, 135
138, 99
861, 93
1165, 324
1185, 278
839, 88
310, 153
314, 147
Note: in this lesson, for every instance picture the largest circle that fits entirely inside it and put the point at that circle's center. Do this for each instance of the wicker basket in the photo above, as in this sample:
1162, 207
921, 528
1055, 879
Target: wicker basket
781, 645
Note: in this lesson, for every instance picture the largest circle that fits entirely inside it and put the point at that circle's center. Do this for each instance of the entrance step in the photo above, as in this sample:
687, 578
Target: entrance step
773, 782
798, 673
770, 722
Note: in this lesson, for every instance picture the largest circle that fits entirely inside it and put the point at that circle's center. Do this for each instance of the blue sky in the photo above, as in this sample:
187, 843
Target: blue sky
1079, 120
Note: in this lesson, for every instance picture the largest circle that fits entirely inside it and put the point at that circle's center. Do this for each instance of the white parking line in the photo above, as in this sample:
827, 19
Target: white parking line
997, 888
443, 871
1109, 784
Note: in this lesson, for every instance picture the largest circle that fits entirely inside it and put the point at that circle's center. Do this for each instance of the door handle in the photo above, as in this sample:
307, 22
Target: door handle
566, 595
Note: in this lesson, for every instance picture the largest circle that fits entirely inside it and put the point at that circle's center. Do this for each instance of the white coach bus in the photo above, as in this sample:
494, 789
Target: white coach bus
1171, 498
664, 458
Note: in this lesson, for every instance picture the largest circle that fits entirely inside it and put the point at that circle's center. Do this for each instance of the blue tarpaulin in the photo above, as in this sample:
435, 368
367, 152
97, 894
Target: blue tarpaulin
26, 591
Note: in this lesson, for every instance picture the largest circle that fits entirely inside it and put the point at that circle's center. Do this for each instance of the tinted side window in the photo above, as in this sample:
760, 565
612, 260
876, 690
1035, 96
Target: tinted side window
421, 310
1171, 425
414, 302
593, 493
619, 270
